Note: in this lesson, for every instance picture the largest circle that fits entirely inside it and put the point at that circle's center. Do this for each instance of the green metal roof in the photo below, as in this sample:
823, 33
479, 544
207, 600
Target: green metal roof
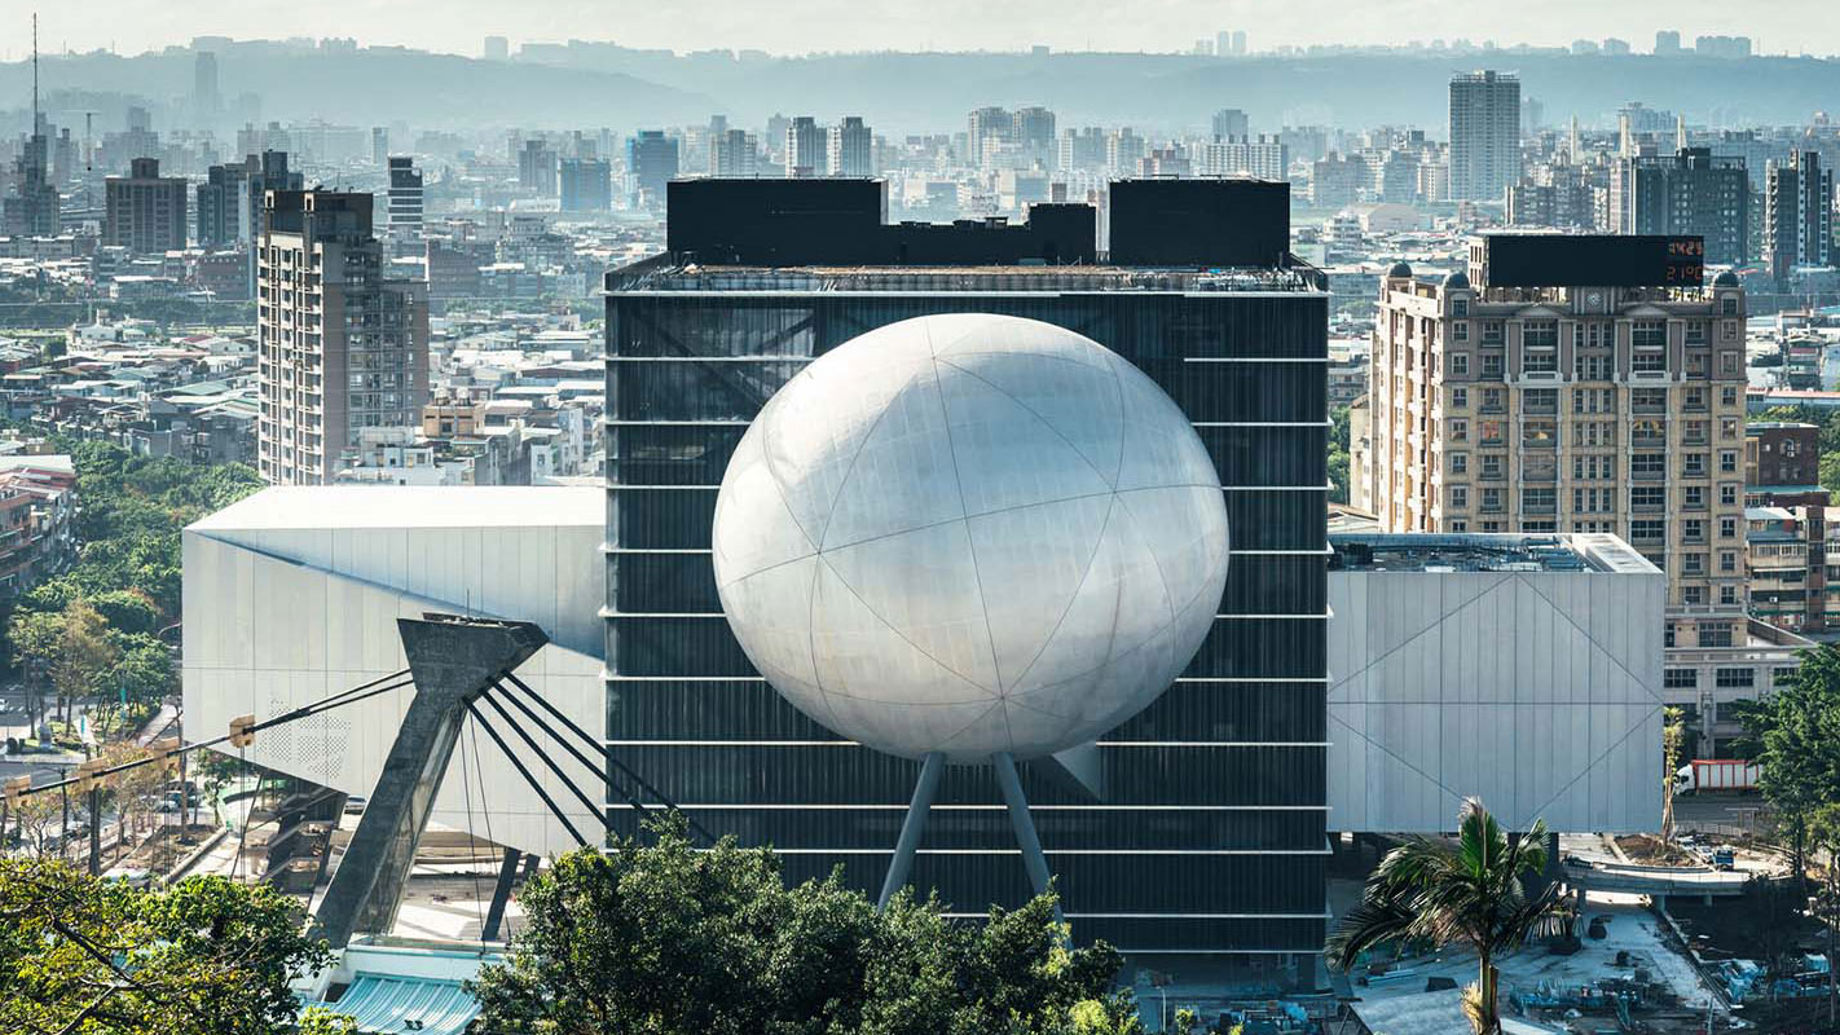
387, 1003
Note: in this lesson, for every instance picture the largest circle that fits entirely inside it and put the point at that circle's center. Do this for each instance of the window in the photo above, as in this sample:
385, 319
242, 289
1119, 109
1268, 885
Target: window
1647, 529
1649, 362
1491, 367
1693, 563
1730, 678
1459, 430
1491, 499
1728, 461
1459, 463
1728, 395
1696, 332
1680, 678
1459, 306
1539, 500
1540, 361
1728, 561
1491, 332
1648, 334
1783, 676
1459, 398
1728, 597
1693, 595
1728, 495
1459, 496
1647, 497
1694, 465
1694, 529
1459, 362
1696, 497
1652, 465
1537, 334
1728, 528
1491, 399
1459, 331
1491, 465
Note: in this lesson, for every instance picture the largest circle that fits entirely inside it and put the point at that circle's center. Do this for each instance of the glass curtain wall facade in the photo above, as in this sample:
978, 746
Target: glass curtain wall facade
1208, 836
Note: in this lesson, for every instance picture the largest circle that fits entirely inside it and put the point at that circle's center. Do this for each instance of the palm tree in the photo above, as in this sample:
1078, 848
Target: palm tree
1466, 891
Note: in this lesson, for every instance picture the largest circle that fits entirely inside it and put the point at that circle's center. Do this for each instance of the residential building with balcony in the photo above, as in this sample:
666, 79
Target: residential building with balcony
341, 348
1574, 384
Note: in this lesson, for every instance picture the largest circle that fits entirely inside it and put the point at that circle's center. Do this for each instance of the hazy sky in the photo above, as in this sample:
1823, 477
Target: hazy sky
799, 26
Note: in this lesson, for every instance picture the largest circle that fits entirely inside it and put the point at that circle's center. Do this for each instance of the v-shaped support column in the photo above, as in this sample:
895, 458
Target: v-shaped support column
453, 661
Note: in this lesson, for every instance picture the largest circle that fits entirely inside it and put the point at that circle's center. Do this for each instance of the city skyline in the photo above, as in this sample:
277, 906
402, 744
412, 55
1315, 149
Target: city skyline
821, 26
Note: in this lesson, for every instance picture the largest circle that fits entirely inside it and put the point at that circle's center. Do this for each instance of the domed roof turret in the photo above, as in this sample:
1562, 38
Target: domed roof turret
1398, 269
1725, 279
1459, 279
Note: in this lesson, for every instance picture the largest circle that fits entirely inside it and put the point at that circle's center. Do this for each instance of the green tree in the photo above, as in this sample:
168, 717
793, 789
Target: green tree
317, 1020
1338, 455
128, 610
1824, 835
1673, 736
85, 654
207, 956
1797, 733
656, 937
1468, 891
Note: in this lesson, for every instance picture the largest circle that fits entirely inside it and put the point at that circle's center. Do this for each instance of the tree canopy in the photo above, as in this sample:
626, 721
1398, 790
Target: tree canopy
651, 936
90, 956
1796, 732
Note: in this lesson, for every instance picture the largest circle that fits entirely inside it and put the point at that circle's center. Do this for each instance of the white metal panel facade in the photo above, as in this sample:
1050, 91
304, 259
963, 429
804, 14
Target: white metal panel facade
1540, 692
277, 617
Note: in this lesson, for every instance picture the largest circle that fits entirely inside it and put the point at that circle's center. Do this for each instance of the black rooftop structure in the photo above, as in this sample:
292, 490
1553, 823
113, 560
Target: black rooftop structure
1209, 223
1587, 260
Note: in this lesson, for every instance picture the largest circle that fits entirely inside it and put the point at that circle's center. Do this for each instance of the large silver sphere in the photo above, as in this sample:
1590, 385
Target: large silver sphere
970, 534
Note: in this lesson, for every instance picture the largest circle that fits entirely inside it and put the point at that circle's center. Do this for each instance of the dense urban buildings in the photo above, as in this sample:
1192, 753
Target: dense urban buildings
586, 184
1798, 220
1581, 385
1211, 768
1485, 134
1578, 396
806, 148
343, 350
1690, 192
851, 149
405, 198
146, 212
651, 162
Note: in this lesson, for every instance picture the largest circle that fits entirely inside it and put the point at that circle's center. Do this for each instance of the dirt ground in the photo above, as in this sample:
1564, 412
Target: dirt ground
1652, 851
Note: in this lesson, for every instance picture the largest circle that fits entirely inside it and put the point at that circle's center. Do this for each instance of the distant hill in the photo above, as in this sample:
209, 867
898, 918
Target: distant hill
376, 87
902, 93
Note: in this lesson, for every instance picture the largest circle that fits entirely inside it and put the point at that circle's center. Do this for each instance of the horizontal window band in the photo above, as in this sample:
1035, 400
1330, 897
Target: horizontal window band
1255, 359
894, 806
853, 744
615, 677
1263, 424
1053, 851
814, 294
615, 486
614, 422
610, 613
707, 359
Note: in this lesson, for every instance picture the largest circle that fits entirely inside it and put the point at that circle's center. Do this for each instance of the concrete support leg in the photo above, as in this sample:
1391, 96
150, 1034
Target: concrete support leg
1032, 858
501, 894
453, 661
902, 865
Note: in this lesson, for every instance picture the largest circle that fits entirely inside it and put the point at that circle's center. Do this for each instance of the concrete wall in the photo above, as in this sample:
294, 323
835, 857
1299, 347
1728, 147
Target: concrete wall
1538, 691
292, 596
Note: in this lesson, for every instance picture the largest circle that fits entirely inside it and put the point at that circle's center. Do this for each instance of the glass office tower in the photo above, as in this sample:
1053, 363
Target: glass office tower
1197, 827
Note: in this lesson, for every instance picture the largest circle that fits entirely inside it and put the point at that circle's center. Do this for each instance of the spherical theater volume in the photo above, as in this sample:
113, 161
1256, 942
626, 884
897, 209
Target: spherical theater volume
970, 534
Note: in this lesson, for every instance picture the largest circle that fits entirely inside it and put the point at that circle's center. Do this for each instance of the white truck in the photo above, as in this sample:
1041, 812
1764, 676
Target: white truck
1716, 774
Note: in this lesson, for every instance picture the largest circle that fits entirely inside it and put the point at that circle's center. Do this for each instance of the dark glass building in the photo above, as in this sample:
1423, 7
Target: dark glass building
1197, 827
